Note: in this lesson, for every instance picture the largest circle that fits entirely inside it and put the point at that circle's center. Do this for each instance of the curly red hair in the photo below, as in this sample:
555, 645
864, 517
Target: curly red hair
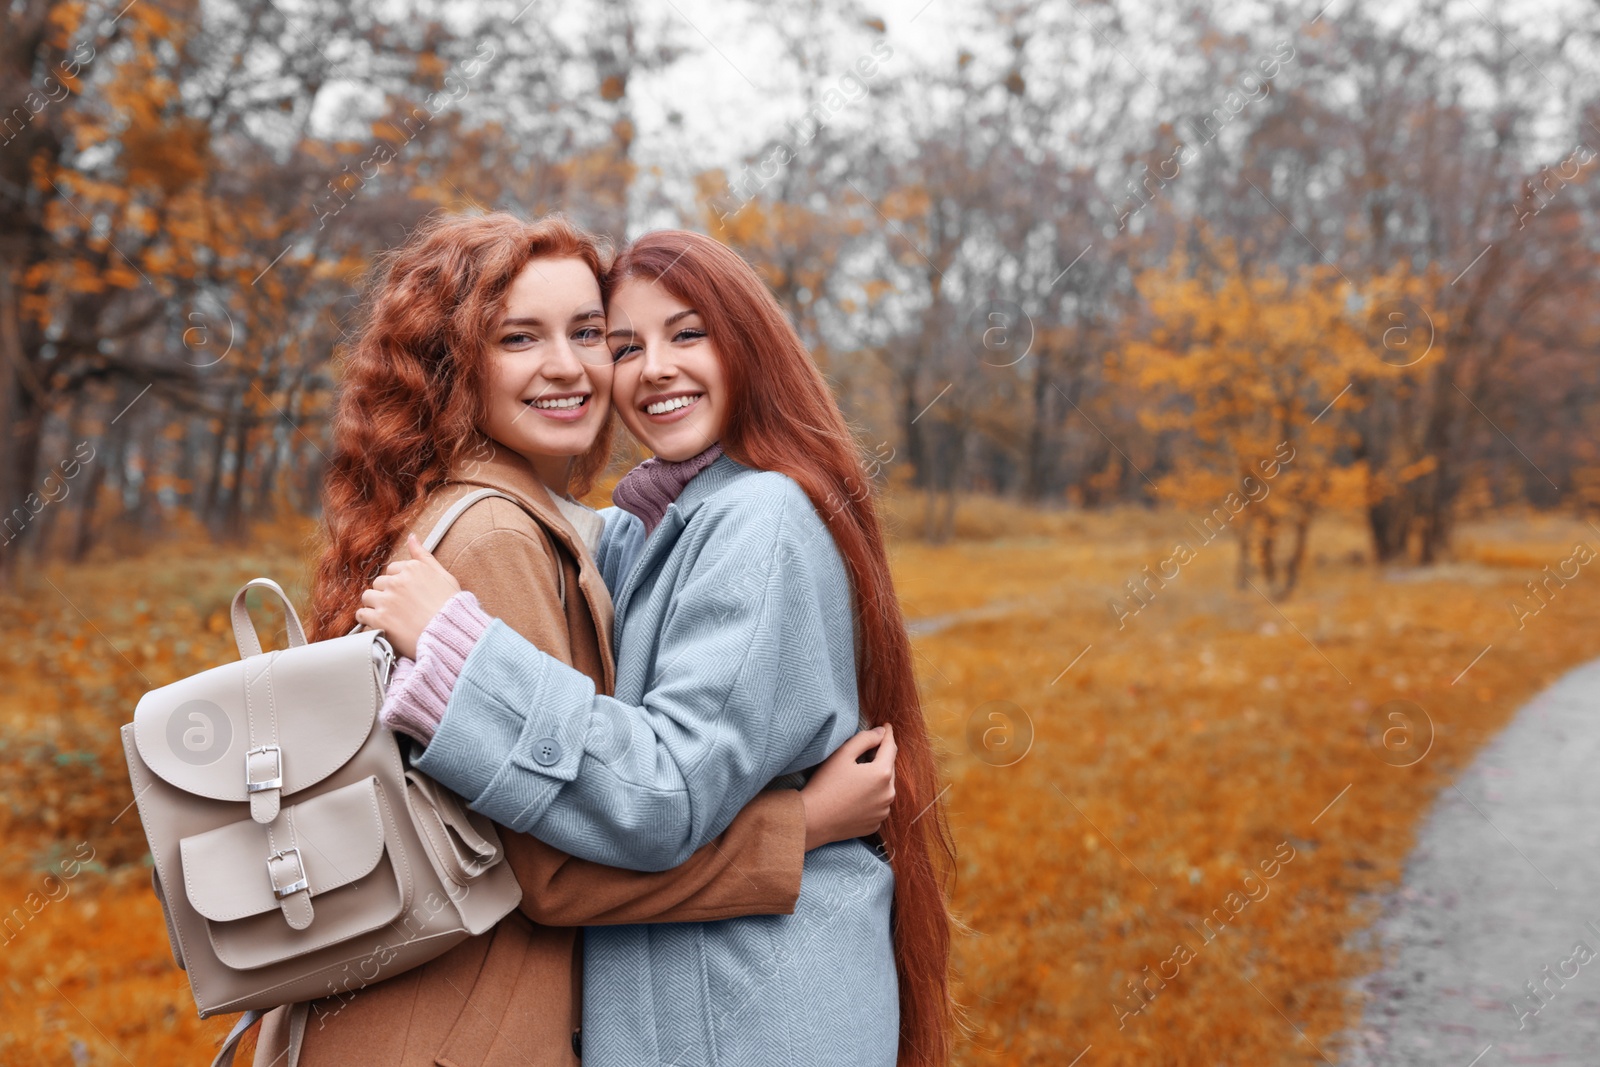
414, 385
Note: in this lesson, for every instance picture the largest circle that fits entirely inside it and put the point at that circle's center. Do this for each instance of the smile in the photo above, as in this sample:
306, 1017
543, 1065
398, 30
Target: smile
671, 404
570, 408
565, 403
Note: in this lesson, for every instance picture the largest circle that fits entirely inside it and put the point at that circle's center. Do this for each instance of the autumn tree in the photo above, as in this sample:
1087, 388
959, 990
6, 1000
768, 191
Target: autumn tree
1249, 361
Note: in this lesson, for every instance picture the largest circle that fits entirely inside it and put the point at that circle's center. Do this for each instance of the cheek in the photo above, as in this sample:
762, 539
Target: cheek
716, 391
601, 379
502, 383
624, 380
624, 385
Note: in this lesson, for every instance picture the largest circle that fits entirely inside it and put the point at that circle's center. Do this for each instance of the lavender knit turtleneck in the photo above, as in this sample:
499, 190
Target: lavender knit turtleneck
646, 490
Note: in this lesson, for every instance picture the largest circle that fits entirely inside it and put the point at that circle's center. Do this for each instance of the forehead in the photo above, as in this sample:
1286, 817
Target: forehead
641, 302
553, 282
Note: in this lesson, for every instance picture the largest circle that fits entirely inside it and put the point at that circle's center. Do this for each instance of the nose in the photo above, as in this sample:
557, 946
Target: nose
562, 364
657, 362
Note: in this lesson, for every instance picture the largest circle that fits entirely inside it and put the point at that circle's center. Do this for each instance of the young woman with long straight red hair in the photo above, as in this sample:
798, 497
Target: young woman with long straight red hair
481, 361
754, 616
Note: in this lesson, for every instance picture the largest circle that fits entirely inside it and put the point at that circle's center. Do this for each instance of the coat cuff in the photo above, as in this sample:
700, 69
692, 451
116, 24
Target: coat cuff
514, 729
777, 878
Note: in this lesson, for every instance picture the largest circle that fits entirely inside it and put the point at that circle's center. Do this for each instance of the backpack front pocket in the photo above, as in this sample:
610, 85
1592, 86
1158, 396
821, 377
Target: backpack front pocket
320, 873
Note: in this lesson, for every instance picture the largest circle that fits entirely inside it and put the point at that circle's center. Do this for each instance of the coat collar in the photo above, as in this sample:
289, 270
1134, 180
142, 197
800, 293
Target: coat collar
722, 472
493, 465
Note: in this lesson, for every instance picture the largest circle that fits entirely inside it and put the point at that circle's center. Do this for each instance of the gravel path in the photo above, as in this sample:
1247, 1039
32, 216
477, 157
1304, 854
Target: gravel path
1504, 883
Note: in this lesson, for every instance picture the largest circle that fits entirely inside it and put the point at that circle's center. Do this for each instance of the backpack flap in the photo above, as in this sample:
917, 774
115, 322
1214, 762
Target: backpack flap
267, 726
320, 875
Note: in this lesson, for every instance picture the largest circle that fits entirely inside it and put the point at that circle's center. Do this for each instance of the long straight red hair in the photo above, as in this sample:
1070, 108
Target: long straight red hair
783, 417
413, 388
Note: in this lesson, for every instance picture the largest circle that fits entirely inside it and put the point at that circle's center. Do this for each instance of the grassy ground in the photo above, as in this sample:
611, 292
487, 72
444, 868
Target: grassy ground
1111, 785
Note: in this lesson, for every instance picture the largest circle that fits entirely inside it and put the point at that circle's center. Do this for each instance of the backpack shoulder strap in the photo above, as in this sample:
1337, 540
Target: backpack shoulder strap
448, 519
298, 1014
456, 510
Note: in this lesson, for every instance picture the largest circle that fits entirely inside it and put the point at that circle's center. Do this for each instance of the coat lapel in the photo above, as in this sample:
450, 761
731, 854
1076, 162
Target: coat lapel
656, 548
497, 467
664, 537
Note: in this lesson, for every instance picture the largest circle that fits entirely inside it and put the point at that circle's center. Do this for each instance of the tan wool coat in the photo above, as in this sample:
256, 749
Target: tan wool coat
513, 995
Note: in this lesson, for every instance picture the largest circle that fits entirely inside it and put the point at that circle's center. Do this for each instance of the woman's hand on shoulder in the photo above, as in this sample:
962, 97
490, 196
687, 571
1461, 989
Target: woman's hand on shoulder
406, 597
844, 798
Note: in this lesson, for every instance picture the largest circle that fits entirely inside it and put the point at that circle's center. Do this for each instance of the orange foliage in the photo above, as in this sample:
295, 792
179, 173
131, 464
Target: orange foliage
1172, 757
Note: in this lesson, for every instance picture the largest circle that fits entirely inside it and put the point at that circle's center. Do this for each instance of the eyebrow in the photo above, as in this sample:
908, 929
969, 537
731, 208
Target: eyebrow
623, 331
582, 316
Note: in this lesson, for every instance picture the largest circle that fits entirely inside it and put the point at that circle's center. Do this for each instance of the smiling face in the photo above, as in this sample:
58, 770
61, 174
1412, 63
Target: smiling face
668, 384
549, 379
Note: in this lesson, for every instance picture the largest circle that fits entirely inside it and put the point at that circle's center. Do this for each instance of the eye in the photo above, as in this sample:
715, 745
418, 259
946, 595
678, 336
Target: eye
689, 333
623, 352
518, 338
588, 335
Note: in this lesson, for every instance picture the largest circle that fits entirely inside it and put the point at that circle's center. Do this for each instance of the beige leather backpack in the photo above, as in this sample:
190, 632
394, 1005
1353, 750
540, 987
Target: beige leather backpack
295, 855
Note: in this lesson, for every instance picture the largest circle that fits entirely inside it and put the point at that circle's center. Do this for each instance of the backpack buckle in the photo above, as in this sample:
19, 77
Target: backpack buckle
251, 785
293, 887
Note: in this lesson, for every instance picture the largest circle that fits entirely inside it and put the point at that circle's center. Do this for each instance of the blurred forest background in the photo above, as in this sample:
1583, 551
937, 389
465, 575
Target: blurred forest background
1088, 277
1034, 265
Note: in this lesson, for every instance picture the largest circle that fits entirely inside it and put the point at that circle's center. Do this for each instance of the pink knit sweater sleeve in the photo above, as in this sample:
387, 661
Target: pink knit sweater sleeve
420, 691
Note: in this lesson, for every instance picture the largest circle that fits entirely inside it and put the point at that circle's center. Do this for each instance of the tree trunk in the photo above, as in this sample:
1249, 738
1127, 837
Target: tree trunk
1269, 564
233, 520
1037, 475
1297, 555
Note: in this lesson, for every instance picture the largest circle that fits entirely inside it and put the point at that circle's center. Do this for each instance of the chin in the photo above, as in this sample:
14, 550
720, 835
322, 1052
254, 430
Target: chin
686, 441
567, 445
681, 448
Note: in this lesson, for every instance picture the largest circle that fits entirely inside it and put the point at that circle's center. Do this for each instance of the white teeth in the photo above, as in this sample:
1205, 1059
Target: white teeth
663, 406
567, 402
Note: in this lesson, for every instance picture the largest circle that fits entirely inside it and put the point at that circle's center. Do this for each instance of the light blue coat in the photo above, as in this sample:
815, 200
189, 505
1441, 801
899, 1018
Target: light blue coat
735, 666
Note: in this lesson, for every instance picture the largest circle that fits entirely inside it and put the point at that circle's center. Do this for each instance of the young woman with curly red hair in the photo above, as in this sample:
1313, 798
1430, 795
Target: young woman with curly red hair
481, 362
755, 616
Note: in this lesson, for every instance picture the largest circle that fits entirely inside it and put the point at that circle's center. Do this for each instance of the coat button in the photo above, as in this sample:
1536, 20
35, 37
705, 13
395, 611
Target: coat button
547, 750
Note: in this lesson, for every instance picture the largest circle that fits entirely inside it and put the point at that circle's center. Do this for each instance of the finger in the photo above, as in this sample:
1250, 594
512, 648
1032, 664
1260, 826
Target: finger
383, 581
364, 616
887, 749
371, 598
394, 568
418, 552
858, 744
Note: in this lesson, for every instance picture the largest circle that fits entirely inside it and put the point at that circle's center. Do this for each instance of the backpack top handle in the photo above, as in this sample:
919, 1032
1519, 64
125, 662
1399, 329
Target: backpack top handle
244, 631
